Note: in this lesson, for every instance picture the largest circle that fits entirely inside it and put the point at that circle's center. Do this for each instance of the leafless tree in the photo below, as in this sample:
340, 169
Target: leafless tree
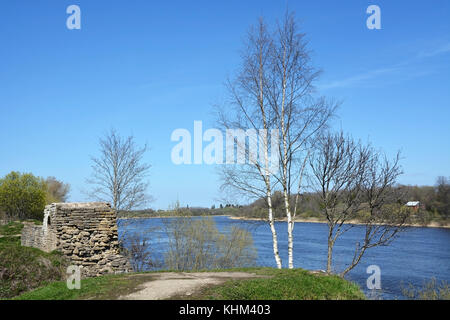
57, 191
382, 213
139, 252
118, 175
354, 181
442, 196
298, 115
250, 111
274, 91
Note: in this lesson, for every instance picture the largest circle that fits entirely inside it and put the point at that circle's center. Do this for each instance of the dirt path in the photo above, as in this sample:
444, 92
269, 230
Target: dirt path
168, 284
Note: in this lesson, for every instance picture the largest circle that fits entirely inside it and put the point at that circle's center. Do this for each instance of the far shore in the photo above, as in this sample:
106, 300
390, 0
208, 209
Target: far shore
161, 217
297, 220
356, 222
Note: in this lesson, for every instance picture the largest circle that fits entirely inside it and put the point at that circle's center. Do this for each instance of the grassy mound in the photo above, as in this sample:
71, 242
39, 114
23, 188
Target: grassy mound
22, 268
284, 284
279, 284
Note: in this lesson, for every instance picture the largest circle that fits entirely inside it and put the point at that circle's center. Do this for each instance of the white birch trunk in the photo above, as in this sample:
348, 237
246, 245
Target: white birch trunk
267, 171
274, 233
283, 128
269, 203
290, 223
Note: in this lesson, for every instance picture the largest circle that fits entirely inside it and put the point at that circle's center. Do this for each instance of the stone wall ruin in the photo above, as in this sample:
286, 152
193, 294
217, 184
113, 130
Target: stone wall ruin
86, 233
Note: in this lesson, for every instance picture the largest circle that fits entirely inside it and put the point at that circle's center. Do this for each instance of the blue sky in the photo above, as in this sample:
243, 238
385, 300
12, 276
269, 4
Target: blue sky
148, 68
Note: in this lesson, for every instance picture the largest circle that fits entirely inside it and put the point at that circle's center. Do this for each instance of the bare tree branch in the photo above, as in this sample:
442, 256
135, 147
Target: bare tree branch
118, 174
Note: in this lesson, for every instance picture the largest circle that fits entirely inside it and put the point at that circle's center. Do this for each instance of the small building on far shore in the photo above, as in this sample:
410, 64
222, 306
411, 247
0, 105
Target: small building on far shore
416, 205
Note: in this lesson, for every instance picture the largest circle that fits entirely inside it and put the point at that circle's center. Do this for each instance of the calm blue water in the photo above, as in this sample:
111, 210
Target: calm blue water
417, 255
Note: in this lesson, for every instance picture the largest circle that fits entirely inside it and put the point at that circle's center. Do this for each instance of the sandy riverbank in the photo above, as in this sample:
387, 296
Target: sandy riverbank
296, 220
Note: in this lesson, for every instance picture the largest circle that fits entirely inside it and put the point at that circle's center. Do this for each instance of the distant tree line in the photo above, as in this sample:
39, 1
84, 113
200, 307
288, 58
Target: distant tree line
435, 199
435, 205
435, 202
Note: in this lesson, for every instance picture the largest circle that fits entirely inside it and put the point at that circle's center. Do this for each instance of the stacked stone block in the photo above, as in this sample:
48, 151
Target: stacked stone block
86, 233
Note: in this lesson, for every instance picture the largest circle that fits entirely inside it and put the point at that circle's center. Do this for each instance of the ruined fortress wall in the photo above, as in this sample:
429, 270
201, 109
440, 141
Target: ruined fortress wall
86, 233
32, 235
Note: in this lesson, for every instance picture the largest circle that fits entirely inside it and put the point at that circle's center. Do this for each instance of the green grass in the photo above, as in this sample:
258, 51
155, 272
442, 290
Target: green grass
108, 287
11, 228
276, 284
31, 274
284, 284
22, 268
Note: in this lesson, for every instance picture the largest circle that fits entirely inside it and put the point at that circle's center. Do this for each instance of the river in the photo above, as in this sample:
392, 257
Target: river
416, 255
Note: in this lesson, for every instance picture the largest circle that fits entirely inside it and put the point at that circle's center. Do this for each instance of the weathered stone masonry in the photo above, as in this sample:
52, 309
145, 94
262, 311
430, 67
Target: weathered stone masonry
86, 233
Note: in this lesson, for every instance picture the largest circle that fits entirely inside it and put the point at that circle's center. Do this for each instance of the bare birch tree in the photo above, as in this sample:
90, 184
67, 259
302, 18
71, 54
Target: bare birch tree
119, 175
354, 181
274, 92
298, 114
250, 111
337, 170
383, 213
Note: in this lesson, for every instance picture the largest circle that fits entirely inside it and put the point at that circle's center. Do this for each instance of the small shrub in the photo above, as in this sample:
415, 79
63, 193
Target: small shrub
196, 244
430, 290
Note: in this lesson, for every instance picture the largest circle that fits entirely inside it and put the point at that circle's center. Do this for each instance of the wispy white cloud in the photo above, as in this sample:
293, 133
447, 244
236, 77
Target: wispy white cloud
402, 68
436, 51
357, 79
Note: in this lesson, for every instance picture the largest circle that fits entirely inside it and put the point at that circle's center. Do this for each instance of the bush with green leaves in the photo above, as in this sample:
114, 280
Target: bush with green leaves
22, 196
